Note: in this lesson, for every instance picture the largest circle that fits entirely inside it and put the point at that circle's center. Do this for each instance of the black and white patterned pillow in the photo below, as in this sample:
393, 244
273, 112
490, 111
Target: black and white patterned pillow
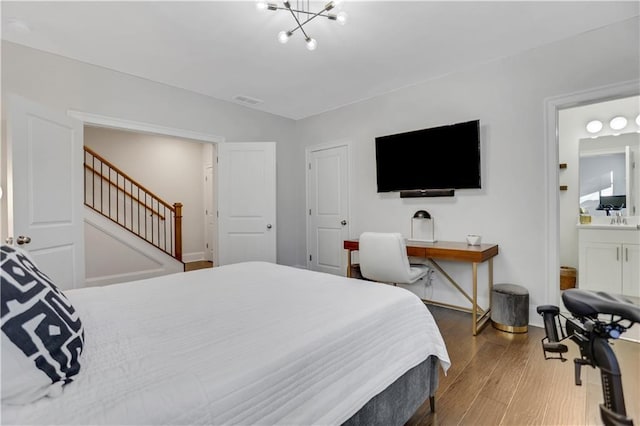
42, 335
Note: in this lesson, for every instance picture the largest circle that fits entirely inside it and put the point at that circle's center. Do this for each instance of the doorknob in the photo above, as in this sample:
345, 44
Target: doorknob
269, 226
9, 240
23, 240
343, 223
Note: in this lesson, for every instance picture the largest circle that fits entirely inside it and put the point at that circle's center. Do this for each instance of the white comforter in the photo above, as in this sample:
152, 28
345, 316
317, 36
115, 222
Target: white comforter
251, 343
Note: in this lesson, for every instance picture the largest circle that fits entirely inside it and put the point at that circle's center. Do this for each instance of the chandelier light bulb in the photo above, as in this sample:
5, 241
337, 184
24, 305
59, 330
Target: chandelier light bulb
342, 18
618, 123
261, 5
638, 120
283, 36
594, 126
311, 43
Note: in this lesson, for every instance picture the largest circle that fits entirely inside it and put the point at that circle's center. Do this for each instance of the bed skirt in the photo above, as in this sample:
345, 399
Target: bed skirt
399, 401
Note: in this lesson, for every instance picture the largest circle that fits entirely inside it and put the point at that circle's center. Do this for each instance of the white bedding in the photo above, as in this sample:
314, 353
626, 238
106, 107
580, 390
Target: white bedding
251, 343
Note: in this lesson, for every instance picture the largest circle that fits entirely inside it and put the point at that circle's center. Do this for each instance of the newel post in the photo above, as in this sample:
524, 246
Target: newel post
177, 223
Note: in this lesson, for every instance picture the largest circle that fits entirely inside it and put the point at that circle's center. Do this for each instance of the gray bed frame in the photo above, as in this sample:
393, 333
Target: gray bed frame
399, 401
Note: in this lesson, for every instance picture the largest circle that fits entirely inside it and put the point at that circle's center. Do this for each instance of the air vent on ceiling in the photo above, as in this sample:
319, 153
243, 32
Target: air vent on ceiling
247, 100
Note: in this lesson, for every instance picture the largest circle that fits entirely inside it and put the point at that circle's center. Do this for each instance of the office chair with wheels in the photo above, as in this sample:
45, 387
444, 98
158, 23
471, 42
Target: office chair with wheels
383, 258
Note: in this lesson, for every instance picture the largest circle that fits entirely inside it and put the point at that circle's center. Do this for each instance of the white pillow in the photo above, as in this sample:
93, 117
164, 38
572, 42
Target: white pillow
42, 335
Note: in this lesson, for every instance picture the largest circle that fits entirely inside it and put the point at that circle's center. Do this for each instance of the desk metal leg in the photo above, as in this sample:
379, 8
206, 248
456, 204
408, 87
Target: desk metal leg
474, 307
480, 323
479, 316
490, 283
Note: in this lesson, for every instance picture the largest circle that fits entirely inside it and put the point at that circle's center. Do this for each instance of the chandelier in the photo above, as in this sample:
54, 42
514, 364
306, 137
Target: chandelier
302, 14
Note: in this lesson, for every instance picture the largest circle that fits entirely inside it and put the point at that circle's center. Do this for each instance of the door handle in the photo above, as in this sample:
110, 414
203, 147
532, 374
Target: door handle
343, 223
269, 226
23, 240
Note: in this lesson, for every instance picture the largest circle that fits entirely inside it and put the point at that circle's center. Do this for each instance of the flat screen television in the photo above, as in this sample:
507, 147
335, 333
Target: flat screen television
445, 157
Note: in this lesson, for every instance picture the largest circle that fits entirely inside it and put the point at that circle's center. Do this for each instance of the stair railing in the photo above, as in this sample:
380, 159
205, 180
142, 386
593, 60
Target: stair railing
115, 195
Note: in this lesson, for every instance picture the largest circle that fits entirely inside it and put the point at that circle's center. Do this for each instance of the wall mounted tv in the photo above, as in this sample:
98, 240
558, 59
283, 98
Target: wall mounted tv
439, 158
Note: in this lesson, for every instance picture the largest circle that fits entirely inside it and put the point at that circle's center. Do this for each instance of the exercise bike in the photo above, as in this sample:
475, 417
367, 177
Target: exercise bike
597, 317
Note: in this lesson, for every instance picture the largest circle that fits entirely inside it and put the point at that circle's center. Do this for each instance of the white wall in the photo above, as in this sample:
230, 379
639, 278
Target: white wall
508, 97
112, 256
63, 84
169, 167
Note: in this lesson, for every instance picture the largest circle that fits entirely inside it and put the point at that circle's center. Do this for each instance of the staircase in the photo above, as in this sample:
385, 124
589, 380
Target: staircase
114, 195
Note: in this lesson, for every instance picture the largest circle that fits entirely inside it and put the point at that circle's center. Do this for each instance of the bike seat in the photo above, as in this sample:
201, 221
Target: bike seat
583, 303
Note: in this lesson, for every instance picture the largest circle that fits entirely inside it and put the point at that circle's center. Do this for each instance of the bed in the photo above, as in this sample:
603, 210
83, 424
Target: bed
249, 343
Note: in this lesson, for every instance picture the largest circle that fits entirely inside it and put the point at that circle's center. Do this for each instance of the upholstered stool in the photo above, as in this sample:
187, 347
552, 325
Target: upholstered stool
510, 308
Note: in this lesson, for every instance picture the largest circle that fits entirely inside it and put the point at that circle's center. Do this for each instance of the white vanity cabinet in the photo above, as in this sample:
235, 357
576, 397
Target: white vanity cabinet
609, 260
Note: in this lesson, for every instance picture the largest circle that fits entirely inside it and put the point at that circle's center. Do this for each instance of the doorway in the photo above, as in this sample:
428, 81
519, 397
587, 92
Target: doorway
553, 107
170, 167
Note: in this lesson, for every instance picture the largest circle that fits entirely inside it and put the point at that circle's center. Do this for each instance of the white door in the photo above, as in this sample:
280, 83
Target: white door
45, 189
246, 202
328, 208
209, 213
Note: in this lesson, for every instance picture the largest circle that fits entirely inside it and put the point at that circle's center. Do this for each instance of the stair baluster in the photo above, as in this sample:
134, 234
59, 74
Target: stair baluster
137, 209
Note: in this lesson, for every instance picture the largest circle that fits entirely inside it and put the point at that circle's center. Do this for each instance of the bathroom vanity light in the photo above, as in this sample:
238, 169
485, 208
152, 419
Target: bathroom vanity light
422, 227
594, 126
618, 123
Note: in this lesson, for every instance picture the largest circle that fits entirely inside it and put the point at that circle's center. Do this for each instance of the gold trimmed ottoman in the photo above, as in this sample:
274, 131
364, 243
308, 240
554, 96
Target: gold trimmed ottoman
510, 308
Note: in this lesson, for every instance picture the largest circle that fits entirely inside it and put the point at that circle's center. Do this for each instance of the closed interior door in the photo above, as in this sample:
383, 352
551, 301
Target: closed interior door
327, 202
45, 189
247, 202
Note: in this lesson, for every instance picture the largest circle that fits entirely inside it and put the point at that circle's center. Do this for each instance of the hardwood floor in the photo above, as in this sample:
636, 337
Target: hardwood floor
498, 378
201, 264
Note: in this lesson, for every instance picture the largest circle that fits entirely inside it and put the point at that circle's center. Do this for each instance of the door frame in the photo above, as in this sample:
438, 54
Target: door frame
552, 106
141, 127
307, 159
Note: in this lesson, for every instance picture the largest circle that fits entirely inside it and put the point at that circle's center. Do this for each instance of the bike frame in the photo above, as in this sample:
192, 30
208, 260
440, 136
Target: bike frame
595, 350
592, 337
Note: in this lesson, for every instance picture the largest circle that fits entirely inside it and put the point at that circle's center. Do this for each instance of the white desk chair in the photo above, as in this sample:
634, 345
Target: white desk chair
383, 257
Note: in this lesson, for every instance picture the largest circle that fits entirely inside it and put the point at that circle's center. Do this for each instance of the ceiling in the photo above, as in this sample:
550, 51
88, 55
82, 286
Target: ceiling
225, 49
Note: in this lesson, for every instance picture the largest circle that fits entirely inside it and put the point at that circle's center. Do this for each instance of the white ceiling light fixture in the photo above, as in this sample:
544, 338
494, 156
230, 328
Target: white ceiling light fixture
638, 120
594, 126
618, 123
302, 14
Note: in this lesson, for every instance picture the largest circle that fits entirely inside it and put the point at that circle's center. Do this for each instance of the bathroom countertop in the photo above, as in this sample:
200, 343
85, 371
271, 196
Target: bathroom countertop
608, 226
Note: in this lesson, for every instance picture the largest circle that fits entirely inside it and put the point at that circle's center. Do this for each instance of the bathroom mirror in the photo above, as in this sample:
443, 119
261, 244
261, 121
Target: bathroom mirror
609, 175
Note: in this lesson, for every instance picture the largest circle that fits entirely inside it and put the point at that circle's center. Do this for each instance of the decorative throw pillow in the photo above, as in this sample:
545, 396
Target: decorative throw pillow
42, 336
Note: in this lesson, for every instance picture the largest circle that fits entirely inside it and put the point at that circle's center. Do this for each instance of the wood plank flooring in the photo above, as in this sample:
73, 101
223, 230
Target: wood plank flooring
200, 264
498, 378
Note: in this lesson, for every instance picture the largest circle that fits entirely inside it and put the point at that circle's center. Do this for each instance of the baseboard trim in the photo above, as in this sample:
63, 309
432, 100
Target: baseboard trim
193, 257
